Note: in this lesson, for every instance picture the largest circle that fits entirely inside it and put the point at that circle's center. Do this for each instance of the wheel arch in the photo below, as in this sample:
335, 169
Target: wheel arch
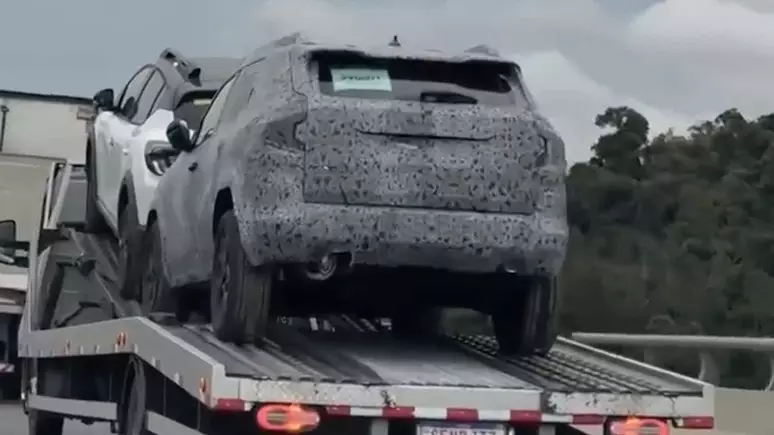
126, 194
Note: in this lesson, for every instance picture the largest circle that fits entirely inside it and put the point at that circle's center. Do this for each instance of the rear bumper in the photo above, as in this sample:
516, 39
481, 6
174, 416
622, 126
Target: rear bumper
381, 236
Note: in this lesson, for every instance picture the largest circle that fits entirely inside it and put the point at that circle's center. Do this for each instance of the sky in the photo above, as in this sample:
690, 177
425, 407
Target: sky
676, 61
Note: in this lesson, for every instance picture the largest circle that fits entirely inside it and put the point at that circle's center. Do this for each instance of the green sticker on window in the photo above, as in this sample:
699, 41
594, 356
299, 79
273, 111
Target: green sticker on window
361, 79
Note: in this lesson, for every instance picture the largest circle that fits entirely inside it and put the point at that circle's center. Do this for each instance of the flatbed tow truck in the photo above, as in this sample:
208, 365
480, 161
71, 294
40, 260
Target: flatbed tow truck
87, 354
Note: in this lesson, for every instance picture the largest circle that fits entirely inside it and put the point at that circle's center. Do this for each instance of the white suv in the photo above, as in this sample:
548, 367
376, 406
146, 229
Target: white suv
127, 151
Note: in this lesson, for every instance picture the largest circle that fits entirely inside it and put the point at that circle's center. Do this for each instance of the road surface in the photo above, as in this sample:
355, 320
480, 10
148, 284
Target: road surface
14, 422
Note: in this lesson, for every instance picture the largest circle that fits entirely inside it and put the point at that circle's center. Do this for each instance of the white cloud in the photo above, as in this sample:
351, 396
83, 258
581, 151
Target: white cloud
572, 99
676, 61
705, 27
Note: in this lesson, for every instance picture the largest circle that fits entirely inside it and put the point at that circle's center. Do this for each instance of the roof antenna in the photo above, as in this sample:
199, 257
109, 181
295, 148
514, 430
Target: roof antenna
394, 42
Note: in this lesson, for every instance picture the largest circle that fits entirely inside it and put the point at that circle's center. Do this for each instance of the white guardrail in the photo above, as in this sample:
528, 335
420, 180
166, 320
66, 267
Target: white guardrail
704, 345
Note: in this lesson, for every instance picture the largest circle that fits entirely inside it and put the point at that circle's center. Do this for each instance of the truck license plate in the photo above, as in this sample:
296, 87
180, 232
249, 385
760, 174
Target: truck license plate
445, 428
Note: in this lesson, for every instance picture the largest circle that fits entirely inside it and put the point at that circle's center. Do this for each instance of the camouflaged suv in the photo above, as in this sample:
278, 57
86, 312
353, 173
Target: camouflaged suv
378, 181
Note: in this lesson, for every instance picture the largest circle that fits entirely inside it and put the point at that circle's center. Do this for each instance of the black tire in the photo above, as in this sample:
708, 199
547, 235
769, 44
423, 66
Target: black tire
128, 252
239, 293
95, 222
44, 423
523, 321
133, 409
39, 422
156, 294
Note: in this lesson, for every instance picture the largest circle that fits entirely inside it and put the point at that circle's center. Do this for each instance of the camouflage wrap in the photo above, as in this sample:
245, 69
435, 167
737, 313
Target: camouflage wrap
308, 177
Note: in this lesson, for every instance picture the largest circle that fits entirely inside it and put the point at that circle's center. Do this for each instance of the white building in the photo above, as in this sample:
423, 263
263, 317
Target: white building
44, 125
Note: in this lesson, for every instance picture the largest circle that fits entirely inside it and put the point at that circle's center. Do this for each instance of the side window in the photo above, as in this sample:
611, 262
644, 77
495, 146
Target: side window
211, 118
128, 103
148, 97
239, 99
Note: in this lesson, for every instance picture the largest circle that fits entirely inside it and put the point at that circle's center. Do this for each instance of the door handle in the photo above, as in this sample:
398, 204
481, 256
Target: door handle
111, 142
192, 167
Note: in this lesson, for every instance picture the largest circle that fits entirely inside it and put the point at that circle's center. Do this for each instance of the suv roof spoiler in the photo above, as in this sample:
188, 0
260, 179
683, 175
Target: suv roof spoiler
186, 67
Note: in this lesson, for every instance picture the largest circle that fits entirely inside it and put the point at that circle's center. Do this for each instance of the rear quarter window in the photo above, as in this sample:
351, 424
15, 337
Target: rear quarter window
478, 83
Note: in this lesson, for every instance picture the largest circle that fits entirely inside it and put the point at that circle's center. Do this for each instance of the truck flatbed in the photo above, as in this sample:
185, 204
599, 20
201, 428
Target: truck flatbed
337, 364
359, 364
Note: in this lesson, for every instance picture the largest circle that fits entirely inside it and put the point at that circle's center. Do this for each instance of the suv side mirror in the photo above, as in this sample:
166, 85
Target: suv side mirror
104, 99
7, 234
179, 136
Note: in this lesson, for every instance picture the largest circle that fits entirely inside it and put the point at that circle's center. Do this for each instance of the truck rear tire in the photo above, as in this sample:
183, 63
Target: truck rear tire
239, 293
38, 422
523, 320
132, 418
44, 423
95, 222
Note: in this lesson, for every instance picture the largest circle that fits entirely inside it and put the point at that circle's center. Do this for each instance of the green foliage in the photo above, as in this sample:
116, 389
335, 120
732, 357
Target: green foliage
677, 228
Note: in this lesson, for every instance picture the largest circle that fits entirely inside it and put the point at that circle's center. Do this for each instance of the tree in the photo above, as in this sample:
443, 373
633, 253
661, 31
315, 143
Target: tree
673, 227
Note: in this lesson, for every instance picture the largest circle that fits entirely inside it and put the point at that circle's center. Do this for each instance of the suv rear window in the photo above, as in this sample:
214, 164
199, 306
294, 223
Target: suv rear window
483, 83
192, 107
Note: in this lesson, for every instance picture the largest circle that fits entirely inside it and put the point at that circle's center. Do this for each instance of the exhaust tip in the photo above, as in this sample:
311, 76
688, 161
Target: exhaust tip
513, 267
322, 269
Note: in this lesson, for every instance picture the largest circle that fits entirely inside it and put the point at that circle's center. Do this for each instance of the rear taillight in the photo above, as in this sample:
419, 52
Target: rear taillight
286, 418
637, 426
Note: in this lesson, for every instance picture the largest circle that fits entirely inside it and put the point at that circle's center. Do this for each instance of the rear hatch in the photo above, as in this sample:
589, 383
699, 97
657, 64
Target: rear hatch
420, 133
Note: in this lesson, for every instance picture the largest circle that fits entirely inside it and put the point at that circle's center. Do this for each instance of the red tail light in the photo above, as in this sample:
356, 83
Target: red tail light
638, 426
287, 418
698, 423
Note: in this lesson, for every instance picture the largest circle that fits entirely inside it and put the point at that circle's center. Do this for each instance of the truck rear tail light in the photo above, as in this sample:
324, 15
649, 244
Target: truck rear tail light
287, 418
696, 423
637, 426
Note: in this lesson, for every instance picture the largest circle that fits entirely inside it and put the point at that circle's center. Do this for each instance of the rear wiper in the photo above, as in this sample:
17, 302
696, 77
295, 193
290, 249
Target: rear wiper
446, 97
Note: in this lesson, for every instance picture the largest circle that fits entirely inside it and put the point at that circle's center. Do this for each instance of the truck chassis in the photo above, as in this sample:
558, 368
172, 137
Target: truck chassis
88, 354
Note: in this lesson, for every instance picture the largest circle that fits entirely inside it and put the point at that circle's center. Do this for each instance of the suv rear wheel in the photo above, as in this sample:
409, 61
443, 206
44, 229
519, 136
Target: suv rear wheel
155, 291
239, 293
523, 318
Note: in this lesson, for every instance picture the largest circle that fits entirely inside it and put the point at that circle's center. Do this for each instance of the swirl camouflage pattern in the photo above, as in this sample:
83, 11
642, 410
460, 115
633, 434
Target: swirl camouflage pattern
451, 183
